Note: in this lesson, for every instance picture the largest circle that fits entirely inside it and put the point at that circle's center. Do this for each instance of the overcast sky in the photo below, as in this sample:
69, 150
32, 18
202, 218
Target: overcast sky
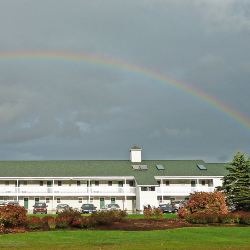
52, 109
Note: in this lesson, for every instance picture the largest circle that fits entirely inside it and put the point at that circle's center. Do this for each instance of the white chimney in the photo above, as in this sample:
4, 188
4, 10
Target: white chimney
135, 154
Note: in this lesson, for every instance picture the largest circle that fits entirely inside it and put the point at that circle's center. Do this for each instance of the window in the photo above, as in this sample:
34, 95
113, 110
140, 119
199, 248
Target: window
58, 200
110, 183
193, 184
151, 189
59, 183
203, 182
80, 200
25, 183
78, 183
91, 200
131, 183
96, 183
112, 200
49, 183
36, 199
7, 183
120, 183
47, 200
144, 188
41, 183
167, 183
159, 183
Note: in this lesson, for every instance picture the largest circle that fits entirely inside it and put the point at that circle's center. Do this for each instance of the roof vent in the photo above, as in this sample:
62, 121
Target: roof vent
160, 167
140, 167
201, 167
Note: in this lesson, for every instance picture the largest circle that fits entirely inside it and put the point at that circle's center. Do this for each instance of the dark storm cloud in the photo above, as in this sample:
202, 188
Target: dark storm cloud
52, 109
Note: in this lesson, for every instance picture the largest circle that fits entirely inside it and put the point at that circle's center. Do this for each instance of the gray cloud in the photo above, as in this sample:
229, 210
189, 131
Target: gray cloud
55, 109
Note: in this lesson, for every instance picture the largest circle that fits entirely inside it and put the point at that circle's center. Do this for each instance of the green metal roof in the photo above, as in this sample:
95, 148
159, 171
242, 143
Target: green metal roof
104, 168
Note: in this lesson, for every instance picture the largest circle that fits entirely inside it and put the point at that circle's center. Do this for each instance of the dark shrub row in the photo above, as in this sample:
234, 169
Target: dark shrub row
16, 216
230, 218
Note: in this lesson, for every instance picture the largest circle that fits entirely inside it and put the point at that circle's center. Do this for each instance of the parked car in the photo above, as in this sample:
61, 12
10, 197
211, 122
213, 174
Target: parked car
62, 207
167, 208
88, 209
3, 203
40, 208
13, 203
179, 204
109, 207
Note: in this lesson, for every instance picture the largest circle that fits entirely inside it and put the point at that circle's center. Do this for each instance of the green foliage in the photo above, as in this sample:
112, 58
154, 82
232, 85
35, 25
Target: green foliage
236, 184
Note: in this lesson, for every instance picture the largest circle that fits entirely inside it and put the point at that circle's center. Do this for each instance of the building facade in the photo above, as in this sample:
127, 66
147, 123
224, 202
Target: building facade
132, 184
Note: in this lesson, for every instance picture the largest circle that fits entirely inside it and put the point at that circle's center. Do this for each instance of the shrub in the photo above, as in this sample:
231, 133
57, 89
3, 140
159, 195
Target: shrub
157, 213
243, 217
70, 215
228, 218
62, 222
49, 222
148, 213
13, 216
183, 213
213, 202
84, 222
108, 217
202, 218
34, 222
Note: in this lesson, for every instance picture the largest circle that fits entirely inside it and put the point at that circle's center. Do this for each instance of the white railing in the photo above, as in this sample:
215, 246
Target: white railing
182, 190
66, 190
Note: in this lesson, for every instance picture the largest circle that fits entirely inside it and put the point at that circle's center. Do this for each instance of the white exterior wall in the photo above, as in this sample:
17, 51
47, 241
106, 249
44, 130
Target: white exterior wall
135, 155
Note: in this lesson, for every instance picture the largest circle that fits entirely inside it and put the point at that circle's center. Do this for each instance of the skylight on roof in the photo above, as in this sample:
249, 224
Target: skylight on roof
160, 167
201, 167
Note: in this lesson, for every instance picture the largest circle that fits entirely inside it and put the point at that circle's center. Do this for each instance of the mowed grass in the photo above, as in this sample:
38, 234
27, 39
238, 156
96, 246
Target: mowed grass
205, 238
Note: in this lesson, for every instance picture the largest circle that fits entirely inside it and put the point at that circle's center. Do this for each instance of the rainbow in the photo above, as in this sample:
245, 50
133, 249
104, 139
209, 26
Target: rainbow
121, 65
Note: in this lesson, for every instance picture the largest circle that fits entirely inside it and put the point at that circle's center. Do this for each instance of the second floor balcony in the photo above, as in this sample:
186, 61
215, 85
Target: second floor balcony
66, 191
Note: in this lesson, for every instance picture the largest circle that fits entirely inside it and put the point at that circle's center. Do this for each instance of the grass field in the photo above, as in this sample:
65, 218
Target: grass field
205, 238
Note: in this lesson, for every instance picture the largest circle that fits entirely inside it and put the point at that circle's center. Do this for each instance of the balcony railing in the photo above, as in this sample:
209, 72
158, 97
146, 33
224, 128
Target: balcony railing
66, 190
175, 190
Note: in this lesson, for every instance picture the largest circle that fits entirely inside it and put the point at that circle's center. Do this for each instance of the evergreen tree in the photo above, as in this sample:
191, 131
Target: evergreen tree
236, 183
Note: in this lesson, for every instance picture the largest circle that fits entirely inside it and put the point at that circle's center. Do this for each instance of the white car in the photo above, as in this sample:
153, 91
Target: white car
109, 207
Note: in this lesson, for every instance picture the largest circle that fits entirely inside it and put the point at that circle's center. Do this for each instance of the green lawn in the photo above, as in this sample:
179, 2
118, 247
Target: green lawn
204, 238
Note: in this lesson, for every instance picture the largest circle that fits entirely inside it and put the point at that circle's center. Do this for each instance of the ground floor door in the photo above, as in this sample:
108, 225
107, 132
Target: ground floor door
102, 202
26, 202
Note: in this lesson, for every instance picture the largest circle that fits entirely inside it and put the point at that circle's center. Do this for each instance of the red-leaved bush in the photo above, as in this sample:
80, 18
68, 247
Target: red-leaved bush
34, 222
13, 216
204, 207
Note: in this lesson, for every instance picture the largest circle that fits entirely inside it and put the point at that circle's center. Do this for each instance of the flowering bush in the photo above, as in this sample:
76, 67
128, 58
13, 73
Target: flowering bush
13, 216
34, 222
